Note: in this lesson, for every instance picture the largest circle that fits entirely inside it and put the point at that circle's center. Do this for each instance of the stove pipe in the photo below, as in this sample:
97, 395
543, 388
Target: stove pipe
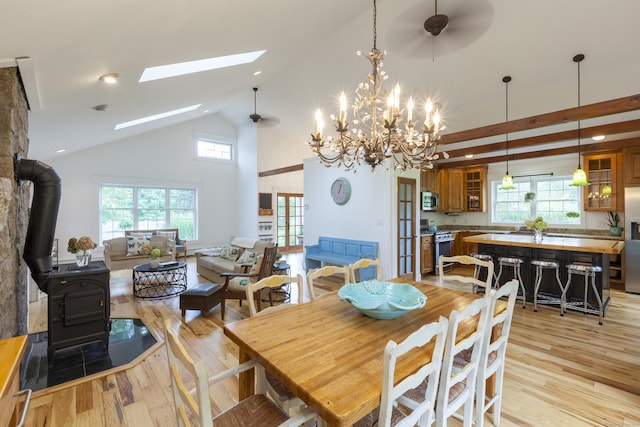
42, 218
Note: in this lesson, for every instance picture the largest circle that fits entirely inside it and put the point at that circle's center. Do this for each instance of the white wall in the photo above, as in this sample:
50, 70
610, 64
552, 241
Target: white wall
166, 158
370, 214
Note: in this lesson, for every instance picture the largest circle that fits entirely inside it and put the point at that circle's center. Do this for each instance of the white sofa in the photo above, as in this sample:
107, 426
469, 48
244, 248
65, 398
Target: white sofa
117, 257
210, 264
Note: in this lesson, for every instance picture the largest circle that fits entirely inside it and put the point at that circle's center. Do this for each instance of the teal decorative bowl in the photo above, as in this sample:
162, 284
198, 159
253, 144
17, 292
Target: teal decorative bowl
382, 300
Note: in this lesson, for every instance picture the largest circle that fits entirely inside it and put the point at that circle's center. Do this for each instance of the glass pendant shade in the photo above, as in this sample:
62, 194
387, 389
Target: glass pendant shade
507, 182
579, 178
606, 190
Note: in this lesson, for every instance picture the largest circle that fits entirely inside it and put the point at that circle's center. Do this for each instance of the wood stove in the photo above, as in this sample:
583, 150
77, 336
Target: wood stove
79, 310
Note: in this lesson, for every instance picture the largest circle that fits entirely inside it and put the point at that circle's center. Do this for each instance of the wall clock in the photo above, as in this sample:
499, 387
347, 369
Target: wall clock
341, 191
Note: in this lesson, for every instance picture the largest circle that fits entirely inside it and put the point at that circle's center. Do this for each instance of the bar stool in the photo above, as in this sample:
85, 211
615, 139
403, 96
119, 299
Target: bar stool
514, 263
588, 271
540, 267
477, 268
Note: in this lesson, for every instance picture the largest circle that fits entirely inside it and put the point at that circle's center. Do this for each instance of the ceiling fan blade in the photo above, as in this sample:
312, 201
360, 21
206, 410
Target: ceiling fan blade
467, 22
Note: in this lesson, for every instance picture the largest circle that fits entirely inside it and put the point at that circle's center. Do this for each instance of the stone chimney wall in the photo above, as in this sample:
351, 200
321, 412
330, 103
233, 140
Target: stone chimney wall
14, 205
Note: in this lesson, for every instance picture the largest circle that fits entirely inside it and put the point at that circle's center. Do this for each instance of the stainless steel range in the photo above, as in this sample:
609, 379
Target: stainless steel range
442, 245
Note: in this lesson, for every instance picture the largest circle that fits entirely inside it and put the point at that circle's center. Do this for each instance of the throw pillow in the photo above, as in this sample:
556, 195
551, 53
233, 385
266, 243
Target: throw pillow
229, 252
134, 244
247, 257
170, 234
256, 267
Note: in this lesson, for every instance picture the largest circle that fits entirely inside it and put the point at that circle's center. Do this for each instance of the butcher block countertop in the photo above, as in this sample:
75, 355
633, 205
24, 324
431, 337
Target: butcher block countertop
577, 244
11, 352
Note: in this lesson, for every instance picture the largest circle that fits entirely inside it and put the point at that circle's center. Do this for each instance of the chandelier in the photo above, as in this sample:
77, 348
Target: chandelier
380, 129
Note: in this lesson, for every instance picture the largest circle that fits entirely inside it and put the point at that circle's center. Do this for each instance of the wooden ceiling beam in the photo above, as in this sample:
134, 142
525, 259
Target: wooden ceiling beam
599, 109
588, 148
608, 129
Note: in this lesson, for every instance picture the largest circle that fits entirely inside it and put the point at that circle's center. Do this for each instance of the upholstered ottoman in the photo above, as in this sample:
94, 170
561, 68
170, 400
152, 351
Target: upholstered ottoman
202, 297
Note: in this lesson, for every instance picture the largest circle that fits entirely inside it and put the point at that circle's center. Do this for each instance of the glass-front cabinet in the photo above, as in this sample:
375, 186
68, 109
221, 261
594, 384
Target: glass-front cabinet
473, 194
602, 193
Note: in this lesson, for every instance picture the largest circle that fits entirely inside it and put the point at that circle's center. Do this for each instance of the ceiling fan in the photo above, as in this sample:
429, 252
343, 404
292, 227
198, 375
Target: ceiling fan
258, 118
456, 25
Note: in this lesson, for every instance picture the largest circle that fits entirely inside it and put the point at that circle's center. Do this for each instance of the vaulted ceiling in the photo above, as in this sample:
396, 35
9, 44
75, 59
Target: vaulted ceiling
310, 57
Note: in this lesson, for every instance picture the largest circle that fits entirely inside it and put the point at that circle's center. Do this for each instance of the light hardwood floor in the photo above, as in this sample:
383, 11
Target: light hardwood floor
560, 371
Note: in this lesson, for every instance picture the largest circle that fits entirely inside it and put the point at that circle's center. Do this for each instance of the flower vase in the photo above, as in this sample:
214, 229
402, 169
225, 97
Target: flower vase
83, 258
537, 236
154, 262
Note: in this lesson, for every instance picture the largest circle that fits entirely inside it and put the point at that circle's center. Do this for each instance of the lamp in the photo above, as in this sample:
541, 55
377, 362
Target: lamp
380, 129
579, 176
507, 180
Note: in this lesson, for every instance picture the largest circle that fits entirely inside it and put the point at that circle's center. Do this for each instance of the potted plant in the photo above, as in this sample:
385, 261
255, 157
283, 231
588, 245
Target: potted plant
154, 254
82, 248
614, 221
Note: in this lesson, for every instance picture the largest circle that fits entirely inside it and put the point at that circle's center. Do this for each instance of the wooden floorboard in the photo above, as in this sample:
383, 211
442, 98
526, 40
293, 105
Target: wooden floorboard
560, 371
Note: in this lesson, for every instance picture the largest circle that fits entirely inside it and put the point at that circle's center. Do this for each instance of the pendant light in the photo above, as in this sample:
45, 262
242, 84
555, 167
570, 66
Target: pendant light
579, 176
507, 180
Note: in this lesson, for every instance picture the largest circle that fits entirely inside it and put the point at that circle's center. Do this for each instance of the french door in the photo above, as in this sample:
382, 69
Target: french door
406, 228
290, 222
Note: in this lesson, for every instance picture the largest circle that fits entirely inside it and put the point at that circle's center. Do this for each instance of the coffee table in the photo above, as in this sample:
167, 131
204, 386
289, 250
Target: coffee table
165, 281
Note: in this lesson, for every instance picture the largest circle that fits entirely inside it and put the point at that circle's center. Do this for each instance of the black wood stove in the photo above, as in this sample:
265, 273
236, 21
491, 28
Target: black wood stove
79, 310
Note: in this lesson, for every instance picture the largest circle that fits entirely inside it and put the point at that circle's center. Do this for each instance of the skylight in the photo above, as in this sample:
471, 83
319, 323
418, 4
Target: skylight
156, 117
181, 68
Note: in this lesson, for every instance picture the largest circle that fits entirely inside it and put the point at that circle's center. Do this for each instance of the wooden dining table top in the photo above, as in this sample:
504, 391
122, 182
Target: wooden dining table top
330, 355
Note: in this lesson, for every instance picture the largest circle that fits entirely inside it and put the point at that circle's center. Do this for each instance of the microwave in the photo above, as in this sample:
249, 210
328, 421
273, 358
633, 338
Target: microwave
430, 201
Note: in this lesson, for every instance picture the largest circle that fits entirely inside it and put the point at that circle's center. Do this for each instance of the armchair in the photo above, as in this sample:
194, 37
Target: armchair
235, 284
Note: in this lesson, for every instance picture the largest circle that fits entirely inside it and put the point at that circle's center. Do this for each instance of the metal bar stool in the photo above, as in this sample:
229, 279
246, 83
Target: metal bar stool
588, 271
514, 263
540, 267
477, 268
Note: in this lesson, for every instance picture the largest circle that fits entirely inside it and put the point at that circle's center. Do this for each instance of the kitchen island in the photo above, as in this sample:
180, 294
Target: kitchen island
563, 250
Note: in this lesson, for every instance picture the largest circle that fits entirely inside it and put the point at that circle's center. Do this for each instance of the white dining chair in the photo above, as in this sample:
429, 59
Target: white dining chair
274, 282
361, 264
389, 412
494, 349
256, 410
444, 277
325, 272
280, 394
457, 380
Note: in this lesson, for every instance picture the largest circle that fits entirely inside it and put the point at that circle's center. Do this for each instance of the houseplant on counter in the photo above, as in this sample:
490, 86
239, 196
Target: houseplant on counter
614, 221
538, 225
82, 248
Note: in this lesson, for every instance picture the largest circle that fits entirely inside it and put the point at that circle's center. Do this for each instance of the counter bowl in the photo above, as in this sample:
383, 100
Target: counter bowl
382, 300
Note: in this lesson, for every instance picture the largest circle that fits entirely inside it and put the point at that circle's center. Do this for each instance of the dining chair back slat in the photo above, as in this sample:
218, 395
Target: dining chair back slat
465, 260
274, 282
325, 272
356, 269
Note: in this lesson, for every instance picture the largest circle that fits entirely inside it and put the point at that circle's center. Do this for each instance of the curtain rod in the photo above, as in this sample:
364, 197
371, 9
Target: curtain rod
534, 174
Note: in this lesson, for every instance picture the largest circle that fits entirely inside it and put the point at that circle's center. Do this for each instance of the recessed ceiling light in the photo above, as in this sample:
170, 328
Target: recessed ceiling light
468, 156
598, 137
181, 68
110, 78
257, 73
61, 150
156, 117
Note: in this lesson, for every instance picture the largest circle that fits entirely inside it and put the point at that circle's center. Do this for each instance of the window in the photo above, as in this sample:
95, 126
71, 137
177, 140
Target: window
210, 149
550, 197
126, 207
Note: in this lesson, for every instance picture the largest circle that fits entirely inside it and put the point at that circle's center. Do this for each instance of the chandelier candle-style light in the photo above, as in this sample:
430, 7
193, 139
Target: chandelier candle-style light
380, 129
